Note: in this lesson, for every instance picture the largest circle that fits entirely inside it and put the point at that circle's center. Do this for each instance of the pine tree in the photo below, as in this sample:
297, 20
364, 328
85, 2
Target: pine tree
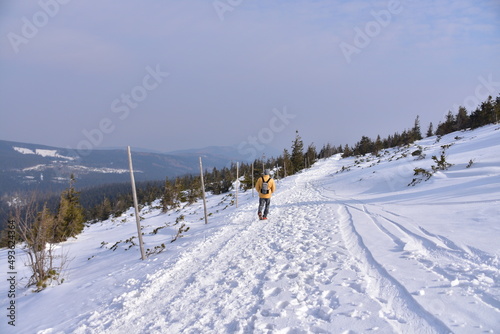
169, 196
430, 130
179, 190
194, 190
327, 151
297, 154
497, 109
365, 145
489, 111
226, 181
287, 164
323, 153
416, 134
462, 119
104, 209
448, 126
311, 155
347, 152
378, 146
407, 137
70, 216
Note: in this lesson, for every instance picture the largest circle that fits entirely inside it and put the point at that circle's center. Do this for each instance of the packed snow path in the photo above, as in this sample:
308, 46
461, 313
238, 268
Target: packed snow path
307, 270
302, 271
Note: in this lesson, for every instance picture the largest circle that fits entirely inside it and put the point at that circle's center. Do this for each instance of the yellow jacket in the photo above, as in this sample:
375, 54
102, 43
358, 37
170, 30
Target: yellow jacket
270, 185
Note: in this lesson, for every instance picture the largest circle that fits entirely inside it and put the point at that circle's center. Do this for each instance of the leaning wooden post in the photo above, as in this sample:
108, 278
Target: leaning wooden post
237, 182
203, 193
253, 184
136, 205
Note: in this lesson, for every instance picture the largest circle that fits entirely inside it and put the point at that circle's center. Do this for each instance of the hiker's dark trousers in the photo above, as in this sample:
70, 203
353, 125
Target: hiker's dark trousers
264, 205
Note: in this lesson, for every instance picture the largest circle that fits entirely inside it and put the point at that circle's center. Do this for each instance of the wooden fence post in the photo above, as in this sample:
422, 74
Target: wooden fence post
136, 205
237, 182
203, 193
253, 184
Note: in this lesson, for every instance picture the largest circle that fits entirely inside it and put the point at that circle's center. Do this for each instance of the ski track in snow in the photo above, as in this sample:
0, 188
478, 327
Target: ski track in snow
440, 250
472, 274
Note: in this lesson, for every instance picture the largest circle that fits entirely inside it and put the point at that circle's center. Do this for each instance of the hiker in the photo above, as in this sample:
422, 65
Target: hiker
265, 187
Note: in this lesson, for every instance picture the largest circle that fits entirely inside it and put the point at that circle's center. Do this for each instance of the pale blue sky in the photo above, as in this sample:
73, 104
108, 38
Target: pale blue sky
87, 74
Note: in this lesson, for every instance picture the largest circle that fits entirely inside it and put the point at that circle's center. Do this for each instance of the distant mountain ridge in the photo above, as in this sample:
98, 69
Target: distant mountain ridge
25, 166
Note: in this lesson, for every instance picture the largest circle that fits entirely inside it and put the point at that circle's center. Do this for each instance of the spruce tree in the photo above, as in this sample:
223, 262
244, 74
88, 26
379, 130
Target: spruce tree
327, 151
448, 126
194, 190
70, 216
169, 196
365, 145
104, 209
497, 109
179, 190
346, 152
287, 164
462, 119
416, 134
378, 146
311, 155
430, 130
489, 111
297, 153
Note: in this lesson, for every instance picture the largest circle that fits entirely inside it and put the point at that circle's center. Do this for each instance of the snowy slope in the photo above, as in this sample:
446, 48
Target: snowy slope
350, 247
42, 152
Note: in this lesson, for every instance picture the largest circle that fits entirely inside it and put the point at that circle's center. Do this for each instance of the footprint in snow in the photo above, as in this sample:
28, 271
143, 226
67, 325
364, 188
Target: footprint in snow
272, 292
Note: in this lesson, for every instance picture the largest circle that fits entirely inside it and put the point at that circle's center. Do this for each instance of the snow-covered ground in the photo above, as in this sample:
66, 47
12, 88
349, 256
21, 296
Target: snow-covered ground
355, 245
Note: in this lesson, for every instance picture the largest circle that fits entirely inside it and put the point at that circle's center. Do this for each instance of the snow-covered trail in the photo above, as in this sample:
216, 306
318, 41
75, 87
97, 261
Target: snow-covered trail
306, 270
288, 275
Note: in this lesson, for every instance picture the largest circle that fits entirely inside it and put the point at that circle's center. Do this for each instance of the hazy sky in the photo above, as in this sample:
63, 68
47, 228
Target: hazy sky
170, 75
